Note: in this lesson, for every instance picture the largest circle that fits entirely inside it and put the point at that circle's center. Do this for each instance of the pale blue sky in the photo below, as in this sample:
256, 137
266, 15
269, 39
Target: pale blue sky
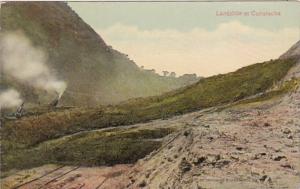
188, 37
184, 15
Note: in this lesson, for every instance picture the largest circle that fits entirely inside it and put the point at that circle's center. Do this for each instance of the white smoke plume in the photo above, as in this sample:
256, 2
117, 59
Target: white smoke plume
10, 98
26, 63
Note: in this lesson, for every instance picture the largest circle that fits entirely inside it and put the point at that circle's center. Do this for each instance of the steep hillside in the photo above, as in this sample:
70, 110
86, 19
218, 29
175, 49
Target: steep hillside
254, 144
43, 125
250, 143
68, 136
95, 73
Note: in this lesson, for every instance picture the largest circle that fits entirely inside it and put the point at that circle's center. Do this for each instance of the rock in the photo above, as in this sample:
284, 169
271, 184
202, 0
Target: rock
185, 166
186, 133
265, 179
222, 163
198, 116
212, 159
277, 150
148, 173
199, 160
142, 184
258, 155
169, 159
268, 180
278, 157
290, 136
235, 157
262, 153
132, 180
286, 131
239, 148
179, 149
286, 165
267, 124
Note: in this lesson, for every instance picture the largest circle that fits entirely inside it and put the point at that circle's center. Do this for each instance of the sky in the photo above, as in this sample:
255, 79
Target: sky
195, 37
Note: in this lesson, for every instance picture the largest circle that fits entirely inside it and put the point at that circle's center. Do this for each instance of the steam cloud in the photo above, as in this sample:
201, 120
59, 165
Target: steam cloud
10, 98
21, 60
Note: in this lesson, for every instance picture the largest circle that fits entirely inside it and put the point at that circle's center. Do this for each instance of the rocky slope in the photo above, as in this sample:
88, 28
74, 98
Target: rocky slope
94, 71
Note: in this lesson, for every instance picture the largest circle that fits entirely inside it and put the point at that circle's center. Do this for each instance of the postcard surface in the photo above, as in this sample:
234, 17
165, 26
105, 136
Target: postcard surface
151, 94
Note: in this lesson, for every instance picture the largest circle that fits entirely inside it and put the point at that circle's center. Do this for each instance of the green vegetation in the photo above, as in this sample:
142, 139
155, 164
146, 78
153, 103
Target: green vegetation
26, 142
287, 86
89, 148
218, 89
208, 92
81, 57
94, 71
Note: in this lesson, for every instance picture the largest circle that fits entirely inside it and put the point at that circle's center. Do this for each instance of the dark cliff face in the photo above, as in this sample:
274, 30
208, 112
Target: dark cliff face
95, 73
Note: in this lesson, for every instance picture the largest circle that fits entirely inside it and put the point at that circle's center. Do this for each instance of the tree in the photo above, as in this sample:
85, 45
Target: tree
165, 73
172, 74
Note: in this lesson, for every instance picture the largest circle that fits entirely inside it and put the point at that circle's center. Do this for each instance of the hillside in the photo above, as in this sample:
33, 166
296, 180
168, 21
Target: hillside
30, 134
225, 131
251, 142
94, 72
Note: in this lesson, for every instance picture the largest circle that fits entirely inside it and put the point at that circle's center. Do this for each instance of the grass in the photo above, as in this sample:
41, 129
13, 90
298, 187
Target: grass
275, 93
38, 139
208, 92
89, 149
286, 87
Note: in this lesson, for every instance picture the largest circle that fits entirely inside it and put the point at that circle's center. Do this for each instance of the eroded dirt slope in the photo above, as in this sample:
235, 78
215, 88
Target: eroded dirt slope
249, 146
254, 145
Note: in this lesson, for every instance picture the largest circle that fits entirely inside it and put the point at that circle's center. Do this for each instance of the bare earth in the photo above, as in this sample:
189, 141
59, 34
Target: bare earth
246, 146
